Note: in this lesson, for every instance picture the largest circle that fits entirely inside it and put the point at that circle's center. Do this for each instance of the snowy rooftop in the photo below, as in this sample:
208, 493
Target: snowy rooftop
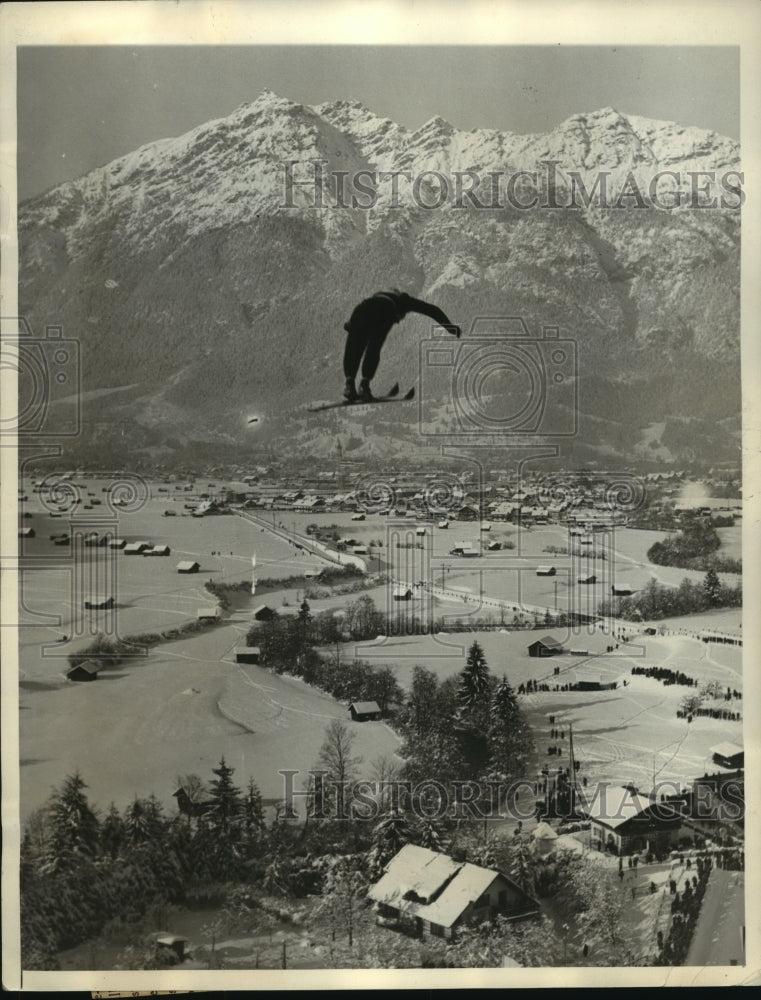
544, 832
431, 886
615, 806
727, 749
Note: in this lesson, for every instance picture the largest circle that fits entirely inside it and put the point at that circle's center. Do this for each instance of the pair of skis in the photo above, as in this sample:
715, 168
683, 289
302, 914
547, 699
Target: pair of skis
391, 397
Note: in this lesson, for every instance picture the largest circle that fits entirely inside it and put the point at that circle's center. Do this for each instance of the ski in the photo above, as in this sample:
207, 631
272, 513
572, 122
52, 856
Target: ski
390, 397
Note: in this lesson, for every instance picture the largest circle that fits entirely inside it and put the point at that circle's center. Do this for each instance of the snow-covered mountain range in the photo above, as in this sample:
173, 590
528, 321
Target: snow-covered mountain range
200, 271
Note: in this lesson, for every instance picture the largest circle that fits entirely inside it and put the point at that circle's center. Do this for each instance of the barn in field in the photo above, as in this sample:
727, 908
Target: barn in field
362, 711
87, 671
247, 654
402, 593
546, 571
135, 548
547, 646
208, 614
188, 566
435, 895
264, 613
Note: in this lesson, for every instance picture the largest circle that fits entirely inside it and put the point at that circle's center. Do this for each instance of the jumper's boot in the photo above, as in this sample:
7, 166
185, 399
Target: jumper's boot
365, 394
350, 393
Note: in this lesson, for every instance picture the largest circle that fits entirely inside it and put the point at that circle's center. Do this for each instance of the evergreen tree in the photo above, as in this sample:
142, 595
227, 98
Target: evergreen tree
390, 834
112, 833
253, 812
303, 630
510, 742
224, 807
427, 834
473, 692
223, 821
143, 821
422, 697
521, 867
712, 587
74, 827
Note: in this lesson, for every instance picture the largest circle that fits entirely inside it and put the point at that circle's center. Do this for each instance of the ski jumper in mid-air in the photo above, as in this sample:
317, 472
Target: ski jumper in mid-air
368, 328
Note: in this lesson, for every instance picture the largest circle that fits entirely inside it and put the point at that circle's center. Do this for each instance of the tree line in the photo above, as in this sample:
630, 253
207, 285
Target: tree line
287, 646
656, 601
84, 873
694, 547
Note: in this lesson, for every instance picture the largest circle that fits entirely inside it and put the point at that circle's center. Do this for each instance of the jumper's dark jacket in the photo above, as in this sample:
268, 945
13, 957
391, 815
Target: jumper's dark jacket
370, 323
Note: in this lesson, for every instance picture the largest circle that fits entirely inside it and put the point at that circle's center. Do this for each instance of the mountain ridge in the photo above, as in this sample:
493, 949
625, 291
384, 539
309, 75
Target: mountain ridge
181, 263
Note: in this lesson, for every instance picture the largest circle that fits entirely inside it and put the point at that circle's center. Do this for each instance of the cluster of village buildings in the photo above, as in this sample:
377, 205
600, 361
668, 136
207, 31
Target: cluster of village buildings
534, 498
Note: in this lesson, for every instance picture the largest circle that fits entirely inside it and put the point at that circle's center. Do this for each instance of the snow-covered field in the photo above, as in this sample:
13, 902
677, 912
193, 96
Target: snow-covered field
138, 727
187, 703
631, 733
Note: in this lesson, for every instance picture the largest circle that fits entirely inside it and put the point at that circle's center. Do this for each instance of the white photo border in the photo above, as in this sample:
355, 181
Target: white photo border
385, 22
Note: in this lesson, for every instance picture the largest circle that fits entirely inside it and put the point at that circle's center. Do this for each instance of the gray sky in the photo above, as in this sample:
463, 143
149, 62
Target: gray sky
81, 106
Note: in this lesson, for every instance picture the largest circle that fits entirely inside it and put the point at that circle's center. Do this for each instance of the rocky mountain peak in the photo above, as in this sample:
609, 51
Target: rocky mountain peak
186, 248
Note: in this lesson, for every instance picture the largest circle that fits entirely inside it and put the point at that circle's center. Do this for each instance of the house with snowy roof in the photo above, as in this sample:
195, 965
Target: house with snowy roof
623, 821
434, 894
